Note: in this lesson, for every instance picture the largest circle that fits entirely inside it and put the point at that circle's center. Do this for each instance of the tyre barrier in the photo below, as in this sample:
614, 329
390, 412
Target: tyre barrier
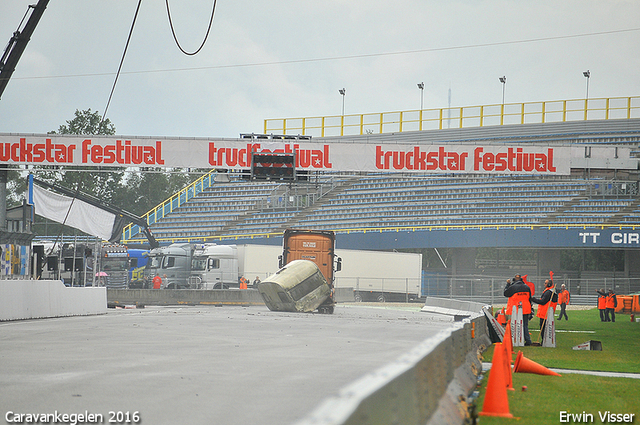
428, 385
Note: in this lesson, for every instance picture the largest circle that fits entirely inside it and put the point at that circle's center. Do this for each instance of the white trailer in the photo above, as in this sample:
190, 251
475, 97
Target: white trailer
258, 261
222, 266
380, 275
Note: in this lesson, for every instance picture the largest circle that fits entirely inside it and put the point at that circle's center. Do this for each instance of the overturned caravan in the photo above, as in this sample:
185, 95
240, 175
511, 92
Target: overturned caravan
298, 286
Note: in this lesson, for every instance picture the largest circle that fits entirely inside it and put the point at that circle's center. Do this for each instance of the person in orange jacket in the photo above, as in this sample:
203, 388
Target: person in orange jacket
563, 299
243, 283
602, 305
157, 282
520, 294
612, 303
549, 298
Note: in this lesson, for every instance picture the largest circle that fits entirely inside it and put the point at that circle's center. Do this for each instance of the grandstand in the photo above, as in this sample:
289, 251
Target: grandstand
226, 205
352, 203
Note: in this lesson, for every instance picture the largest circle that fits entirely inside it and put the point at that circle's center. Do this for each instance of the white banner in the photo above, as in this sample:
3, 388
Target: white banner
73, 212
327, 156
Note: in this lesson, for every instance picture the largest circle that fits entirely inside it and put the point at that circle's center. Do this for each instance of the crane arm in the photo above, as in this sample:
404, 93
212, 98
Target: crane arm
18, 43
118, 212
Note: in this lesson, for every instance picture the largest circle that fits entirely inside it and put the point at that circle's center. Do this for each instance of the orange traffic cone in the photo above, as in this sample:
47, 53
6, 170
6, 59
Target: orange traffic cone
496, 402
524, 365
508, 343
507, 367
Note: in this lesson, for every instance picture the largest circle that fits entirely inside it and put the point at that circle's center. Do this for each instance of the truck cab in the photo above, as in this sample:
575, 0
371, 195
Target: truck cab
114, 266
172, 261
317, 246
214, 267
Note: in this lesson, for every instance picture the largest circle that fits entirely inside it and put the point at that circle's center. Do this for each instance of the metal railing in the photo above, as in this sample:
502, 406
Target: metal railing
168, 205
458, 117
490, 289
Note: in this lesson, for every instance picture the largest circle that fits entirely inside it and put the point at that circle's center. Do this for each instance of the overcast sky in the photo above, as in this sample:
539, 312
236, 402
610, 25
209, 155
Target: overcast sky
288, 58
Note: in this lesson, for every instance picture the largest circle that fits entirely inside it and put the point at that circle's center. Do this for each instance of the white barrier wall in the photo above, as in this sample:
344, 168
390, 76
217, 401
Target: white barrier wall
421, 387
32, 299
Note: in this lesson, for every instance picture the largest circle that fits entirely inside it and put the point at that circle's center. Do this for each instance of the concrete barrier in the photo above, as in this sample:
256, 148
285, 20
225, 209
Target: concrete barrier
183, 297
450, 307
34, 299
119, 297
428, 385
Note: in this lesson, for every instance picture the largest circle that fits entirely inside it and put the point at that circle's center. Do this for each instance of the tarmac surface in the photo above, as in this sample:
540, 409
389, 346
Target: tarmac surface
199, 365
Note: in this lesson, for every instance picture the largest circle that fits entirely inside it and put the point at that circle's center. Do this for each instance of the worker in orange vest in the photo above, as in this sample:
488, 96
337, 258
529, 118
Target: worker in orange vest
602, 305
563, 299
612, 303
549, 298
243, 283
512, 302
519, 294
157, 282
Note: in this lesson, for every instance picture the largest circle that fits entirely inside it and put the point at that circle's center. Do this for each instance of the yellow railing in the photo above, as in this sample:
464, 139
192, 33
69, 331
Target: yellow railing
398, 229
168, 206
459, 117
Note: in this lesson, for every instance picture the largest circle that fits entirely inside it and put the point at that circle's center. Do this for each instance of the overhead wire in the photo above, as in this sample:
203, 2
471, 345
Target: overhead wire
206, 36
124, 53
345, 57
126, 47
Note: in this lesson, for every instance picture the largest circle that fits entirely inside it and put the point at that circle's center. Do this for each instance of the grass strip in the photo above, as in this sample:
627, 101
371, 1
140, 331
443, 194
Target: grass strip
583, 395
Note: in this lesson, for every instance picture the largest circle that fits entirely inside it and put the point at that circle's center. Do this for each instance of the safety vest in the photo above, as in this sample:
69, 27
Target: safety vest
610, 303
563, 297
157, 282
510, 305
243, 283
542, 310
521, 297
602, 302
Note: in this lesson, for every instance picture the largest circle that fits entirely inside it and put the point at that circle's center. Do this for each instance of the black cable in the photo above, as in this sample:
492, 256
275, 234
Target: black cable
121, 62
334, 58
213, 11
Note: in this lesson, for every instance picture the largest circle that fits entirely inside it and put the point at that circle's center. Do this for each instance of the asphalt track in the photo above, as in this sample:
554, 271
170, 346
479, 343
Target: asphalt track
199, 365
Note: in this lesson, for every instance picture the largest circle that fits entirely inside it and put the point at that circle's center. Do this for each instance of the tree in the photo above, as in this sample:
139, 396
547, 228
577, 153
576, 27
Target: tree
101, 183
137, 193
147, 189
87, 122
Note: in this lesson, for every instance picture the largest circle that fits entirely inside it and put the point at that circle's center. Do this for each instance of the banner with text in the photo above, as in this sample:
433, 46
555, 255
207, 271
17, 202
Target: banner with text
104, 151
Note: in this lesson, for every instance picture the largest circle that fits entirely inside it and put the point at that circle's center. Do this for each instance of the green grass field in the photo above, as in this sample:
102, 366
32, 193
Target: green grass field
547, 396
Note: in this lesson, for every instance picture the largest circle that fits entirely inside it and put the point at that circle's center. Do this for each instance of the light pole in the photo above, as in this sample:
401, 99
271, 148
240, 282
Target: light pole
503, 80
342, 91
587, 75
421, 87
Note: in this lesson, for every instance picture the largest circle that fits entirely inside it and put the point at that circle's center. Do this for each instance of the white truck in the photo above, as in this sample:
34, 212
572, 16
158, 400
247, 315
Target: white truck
373, 275
209, 265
